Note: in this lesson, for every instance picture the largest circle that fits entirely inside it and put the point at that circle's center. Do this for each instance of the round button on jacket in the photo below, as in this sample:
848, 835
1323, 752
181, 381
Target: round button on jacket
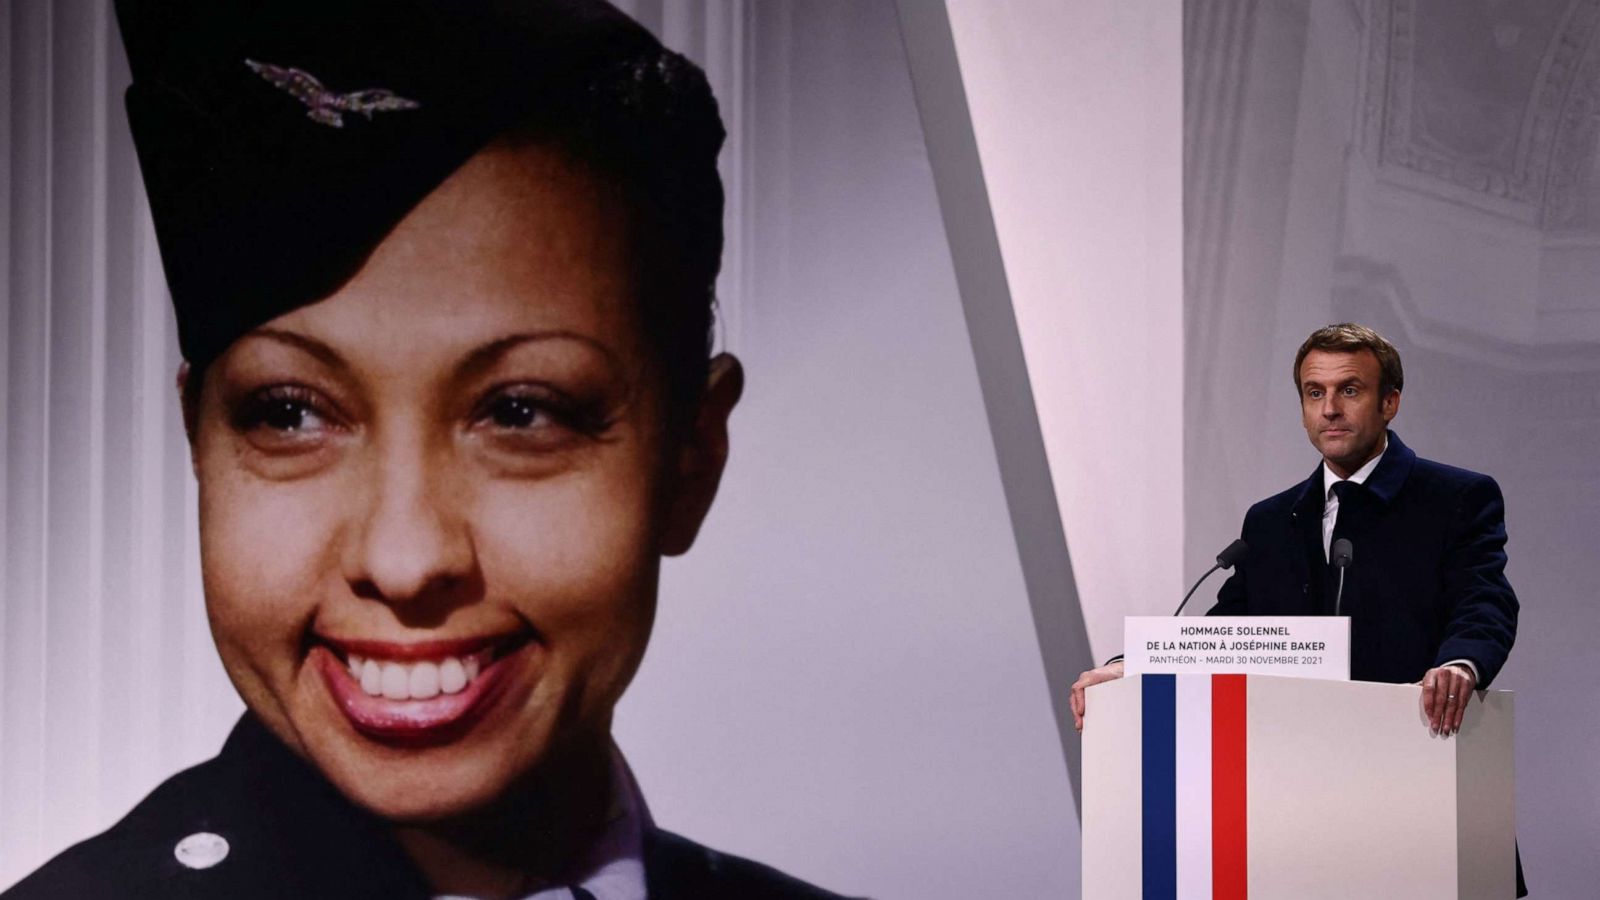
201, 850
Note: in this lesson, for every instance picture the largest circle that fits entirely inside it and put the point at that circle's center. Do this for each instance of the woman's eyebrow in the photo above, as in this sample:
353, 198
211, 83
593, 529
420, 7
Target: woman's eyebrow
310, 345
485, 356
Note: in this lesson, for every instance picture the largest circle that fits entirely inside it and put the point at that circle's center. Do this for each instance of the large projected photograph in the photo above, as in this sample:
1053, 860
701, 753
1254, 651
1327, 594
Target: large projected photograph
505, 457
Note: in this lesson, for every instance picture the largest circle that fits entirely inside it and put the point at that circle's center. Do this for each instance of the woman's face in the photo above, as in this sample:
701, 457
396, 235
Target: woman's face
433, 505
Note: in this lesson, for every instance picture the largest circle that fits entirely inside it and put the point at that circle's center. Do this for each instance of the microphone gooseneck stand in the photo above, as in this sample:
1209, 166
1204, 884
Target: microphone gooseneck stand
1225, 560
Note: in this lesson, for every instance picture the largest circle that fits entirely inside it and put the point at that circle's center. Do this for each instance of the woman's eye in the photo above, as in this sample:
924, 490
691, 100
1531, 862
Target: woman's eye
531, 418
286, 412
511, 411
288, 415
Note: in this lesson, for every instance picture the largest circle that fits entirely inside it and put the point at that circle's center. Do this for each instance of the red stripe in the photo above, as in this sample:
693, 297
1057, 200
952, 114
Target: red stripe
1229, 844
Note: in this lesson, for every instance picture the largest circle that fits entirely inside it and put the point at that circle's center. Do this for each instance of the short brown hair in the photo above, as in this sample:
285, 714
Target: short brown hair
1348, 337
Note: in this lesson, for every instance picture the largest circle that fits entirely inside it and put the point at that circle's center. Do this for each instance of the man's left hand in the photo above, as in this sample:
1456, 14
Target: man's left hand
1445, 692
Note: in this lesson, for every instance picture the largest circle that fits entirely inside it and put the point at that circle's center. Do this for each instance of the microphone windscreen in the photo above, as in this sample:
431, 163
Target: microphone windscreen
1232, 554
1341, 553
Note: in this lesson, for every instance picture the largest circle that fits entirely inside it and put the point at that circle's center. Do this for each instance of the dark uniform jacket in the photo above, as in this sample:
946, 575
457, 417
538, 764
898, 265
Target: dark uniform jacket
290, 834
1426, 584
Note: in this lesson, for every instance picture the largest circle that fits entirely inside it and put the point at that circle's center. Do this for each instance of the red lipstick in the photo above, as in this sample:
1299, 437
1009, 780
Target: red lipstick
439, 718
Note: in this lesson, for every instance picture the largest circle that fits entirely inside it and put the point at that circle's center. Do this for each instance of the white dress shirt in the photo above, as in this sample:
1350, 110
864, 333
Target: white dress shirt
1330, 509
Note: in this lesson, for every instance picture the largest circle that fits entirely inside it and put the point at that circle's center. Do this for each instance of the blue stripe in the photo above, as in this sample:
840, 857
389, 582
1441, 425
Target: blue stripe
1160, 747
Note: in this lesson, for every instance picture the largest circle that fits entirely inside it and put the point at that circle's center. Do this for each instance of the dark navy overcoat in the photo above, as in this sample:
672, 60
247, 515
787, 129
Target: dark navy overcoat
1426, 584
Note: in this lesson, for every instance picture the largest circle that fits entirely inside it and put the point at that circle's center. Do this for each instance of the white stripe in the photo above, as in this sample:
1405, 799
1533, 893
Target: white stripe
1194, 786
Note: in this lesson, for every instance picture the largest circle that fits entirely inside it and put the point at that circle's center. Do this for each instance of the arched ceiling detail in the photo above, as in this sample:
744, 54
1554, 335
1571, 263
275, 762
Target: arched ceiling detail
1495, 102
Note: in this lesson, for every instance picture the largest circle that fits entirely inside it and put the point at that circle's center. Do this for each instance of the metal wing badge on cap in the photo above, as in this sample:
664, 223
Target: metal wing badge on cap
324, 105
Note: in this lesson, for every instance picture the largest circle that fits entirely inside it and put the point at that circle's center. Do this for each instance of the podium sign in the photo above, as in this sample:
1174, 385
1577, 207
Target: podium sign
1296, 646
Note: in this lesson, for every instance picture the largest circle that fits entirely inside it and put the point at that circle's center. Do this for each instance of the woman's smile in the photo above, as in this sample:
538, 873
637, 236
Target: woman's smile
422, 693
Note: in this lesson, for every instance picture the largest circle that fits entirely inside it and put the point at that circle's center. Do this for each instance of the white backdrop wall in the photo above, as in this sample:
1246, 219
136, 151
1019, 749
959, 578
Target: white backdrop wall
1077, 109
845, 681
1429, 168
107, 675
1053, 132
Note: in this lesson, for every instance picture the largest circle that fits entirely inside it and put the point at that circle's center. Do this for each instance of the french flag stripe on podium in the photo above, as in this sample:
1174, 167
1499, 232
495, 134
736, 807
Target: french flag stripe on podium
1159, 779
1193, 780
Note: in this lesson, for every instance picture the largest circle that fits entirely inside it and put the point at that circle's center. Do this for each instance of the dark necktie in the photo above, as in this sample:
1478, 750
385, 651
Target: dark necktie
1345, 491
579, 893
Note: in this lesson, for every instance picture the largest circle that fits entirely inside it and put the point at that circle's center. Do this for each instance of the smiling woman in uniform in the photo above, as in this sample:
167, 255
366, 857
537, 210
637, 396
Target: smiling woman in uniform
443, 279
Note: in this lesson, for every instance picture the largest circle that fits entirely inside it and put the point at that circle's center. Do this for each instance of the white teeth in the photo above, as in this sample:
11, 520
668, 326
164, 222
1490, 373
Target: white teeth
396, 681
424, 681
452, 676
413, 681
371, 678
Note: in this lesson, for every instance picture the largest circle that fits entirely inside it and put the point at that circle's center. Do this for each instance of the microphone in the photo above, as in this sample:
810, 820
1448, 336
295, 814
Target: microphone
1230, 555
1340, 557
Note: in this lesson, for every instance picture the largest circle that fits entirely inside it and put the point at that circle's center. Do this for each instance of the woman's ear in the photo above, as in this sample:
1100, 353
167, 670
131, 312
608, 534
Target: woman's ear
189, 401
702, 454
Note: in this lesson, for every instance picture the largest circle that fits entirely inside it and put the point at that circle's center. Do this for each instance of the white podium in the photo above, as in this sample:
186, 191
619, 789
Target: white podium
1229, 787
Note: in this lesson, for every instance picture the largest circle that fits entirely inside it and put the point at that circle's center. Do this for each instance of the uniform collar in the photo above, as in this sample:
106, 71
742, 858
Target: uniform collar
614, 866
279, 781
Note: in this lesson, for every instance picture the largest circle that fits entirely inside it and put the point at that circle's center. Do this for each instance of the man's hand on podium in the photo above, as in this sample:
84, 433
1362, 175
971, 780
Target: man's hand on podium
1106, 672
1445, 692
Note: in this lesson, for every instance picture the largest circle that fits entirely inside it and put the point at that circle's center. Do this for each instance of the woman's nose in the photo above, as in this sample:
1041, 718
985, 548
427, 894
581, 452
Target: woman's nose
410, 540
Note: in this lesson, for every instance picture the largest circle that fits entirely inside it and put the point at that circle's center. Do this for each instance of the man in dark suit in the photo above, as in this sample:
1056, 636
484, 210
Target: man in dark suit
1426, 591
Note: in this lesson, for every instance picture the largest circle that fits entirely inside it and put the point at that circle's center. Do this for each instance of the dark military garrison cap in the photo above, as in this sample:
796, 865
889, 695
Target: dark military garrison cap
281, 140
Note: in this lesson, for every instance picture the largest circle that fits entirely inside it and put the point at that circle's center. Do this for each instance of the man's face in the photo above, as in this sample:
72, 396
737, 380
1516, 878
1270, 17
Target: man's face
432, 506
1340, 406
